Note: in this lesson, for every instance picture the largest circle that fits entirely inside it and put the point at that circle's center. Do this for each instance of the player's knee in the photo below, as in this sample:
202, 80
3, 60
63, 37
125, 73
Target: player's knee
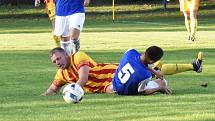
186, 15
193, 14
74, 37
64, 39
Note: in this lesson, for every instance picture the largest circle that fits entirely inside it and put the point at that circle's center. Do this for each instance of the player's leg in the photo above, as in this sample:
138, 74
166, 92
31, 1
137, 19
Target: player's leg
74, 39
154, 86
50, 8
66, 44
193, 17
76, 22
184, 8
169, 69
187, 22
62, 29
55, 38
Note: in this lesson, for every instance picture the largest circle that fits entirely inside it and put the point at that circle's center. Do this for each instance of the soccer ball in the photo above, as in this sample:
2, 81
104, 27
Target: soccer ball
73, 93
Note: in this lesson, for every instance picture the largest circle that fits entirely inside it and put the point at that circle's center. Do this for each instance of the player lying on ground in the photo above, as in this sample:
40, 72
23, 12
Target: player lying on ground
133, 71
97, 78
50, 9
190, 11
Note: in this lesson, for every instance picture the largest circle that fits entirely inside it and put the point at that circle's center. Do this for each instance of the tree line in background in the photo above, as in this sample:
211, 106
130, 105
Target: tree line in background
93, 2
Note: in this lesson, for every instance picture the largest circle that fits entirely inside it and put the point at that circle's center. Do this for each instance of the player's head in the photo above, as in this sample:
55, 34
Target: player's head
60, 58
153, 54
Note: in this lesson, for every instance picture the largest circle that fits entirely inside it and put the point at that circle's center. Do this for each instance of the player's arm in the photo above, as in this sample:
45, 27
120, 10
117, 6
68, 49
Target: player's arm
150, 91
53, 88
86, 2
163, 90
158, 74
37, 3
155, 86
83, 74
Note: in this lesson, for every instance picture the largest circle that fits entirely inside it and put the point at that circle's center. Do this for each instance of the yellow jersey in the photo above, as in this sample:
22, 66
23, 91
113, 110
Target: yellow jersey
50, 8
188, 5
100, 75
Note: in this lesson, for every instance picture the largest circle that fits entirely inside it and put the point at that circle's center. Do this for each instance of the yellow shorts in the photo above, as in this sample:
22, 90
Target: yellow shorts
50, 9
189, 5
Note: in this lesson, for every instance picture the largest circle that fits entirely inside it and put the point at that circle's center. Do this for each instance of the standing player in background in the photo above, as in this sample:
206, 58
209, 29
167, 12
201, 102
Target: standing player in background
98, 78
50, 9
190, 11
69, 21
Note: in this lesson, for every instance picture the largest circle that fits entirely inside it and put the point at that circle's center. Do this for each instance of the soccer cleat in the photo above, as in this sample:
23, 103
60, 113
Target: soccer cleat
197, 64
192, 38
189, 40
76, 46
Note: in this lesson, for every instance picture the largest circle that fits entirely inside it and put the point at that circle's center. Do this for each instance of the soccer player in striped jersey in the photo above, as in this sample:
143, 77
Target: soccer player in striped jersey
190, 11
69, 21
80, 68
131, 76
50, 9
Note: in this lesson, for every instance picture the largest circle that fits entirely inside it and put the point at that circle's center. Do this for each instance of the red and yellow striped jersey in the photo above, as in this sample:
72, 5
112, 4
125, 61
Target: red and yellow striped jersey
100, 75
50, 8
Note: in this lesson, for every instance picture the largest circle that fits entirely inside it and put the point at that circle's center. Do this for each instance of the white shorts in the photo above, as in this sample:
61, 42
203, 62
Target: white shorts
148, 84
152, 84
64, 23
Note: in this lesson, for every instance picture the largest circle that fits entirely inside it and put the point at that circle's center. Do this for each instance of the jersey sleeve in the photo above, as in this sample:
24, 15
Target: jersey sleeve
81, 59
129, 50
59, 80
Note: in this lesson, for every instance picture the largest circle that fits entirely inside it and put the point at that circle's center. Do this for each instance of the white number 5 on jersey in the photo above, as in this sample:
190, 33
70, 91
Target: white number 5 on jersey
125, 73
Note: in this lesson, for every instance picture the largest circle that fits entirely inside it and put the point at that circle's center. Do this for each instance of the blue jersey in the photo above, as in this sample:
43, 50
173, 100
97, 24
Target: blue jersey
69, 7
131, 71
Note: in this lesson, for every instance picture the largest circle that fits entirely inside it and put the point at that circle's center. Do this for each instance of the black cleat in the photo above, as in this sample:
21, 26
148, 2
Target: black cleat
197, 64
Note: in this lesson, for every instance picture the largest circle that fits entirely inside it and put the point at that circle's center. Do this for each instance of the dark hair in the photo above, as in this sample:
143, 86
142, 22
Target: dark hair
155, 53
57, 49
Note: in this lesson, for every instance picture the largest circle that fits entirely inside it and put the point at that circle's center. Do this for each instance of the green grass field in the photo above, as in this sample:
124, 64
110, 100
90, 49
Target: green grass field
26, 70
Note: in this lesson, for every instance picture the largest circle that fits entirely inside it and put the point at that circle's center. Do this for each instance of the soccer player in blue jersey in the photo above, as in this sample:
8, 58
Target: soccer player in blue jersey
131, 76
69, 21
133, 72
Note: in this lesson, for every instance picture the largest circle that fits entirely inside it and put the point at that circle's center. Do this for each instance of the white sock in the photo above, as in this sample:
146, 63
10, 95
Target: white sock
75, 45
66, 45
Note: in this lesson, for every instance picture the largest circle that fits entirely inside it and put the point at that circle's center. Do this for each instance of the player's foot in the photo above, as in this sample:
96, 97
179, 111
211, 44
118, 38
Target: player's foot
193, 38
197, 64
189, 40
76, 46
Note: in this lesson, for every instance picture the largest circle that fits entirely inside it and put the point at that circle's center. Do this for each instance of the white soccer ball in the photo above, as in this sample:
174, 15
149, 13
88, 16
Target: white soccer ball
73, 93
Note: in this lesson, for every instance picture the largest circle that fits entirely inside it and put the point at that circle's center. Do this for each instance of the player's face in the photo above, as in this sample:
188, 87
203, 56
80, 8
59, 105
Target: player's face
61, 60
148, 60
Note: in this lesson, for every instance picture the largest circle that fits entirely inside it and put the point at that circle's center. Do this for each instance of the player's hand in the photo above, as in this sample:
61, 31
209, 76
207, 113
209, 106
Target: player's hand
37, 3
44, 94
48, 93
160, 76
86, 2
166, 91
